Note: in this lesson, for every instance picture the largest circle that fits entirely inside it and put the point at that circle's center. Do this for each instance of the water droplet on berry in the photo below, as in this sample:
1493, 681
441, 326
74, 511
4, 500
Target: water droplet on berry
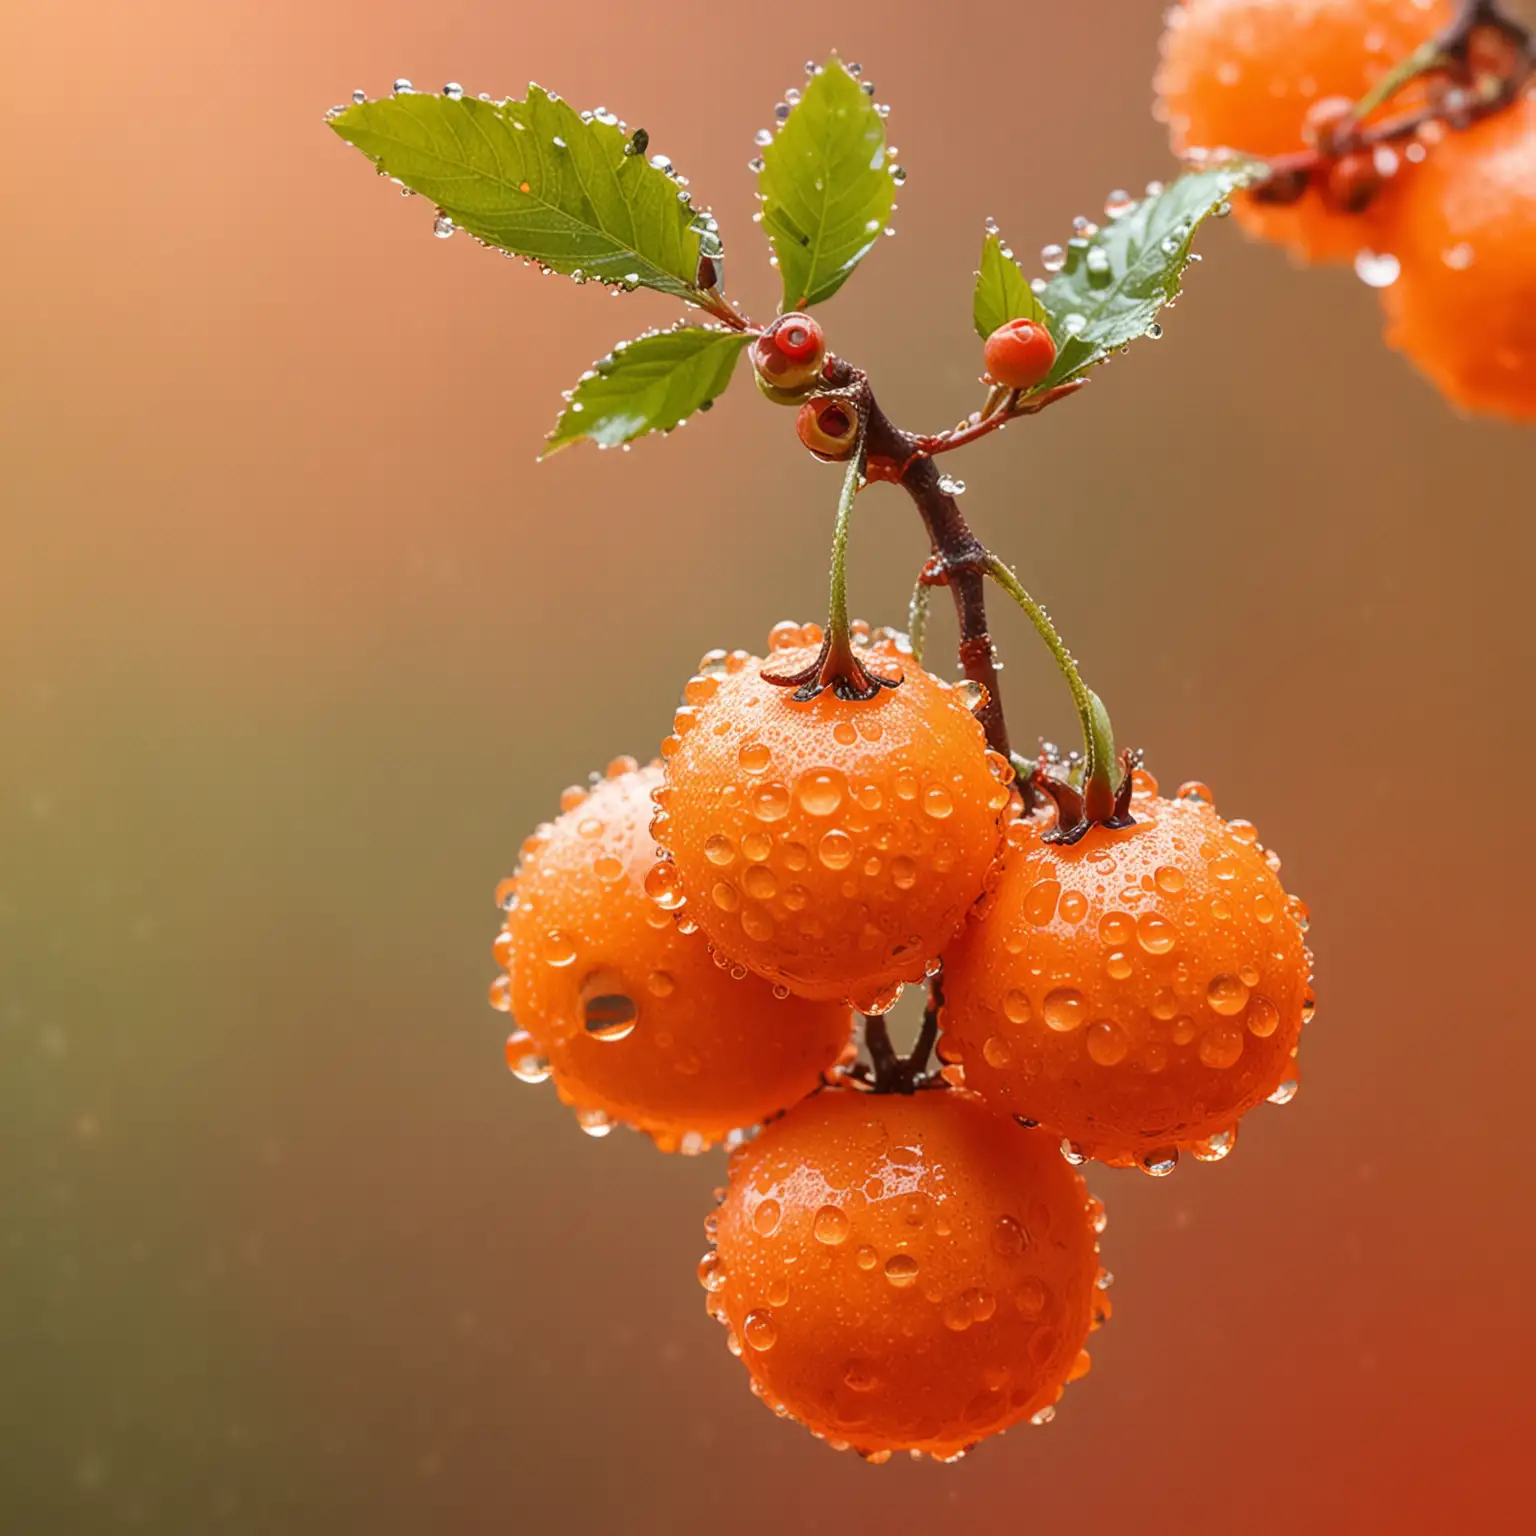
1108, 1044
830, 1226
820, 793
557, 948
1377, 269
996, 1051
765, 1219
501, 994
1285, 1092
720, 850
712, 1274
594, 1122
938, 802
866, 1258
1215, 1147
1227, 994
607, 1013
1064, 1009
835, 849
1160, 1162
664, 887
1016, 1006
901, 1270
1221, 1046
770, 802
1155, 933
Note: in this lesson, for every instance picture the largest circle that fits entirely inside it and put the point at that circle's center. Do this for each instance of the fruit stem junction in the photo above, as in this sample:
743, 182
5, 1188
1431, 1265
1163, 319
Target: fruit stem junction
1483, 59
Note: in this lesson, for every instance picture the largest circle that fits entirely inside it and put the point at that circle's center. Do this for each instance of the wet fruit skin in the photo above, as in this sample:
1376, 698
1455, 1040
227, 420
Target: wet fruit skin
831, 846
1137, 992
1242, 74
905, 1272
636, 1020
1464, 305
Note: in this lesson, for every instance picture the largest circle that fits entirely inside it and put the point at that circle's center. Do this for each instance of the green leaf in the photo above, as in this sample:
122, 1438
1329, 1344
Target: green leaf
1115, 281
536, 178
827, 190
1002, 291
649, 385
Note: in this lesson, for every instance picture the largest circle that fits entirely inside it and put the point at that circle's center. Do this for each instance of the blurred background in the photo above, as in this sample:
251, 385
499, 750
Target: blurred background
297, 641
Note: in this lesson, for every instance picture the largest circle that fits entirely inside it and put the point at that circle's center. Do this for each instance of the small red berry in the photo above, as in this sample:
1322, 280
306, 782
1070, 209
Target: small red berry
828, 427
788, 356
1020, 353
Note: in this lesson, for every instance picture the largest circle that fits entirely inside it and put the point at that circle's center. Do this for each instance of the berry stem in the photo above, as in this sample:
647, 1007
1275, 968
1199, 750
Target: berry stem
917, 618
1102, 796
903, 1074
836, 665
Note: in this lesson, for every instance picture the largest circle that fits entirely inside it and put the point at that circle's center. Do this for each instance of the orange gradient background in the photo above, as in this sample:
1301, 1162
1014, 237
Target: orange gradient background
297, 641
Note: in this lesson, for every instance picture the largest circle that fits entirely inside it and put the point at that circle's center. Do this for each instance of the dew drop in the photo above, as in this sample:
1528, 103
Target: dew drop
938, 802
997, 1052
835, 850
765, 1219
607, 1013
719, 850
901, 1270
1155, 933
770, 802
758, 1329
557, 948
1016, 1006
712, 1274
1107, 1043
1227, 994
820, 793
1160, 1162
830, 1226
1064, 1009
754, 757
1377, 269
1285, 1092
1221, 1047
866, 1258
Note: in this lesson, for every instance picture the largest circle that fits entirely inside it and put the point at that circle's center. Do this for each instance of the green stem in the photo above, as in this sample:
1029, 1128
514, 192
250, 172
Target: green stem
1098, 734
1425, 57
837, 603
917, 619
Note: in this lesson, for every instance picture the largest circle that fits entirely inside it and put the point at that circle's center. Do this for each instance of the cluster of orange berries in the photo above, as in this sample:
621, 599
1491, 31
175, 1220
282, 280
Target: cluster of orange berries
908, 1267
1444, 224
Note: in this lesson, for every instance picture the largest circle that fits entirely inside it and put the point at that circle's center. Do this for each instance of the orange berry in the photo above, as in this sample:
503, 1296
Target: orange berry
1137, 992
1464, 305
905, 1273
832, 845
1243, 74
635, 1020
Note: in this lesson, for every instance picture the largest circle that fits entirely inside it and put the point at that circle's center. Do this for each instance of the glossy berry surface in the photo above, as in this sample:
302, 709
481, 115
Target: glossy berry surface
832, 846
1137, 992
1463, 308
788, 356
1019, 354
1245, 74
828, 427
634, 1020
905, 1273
